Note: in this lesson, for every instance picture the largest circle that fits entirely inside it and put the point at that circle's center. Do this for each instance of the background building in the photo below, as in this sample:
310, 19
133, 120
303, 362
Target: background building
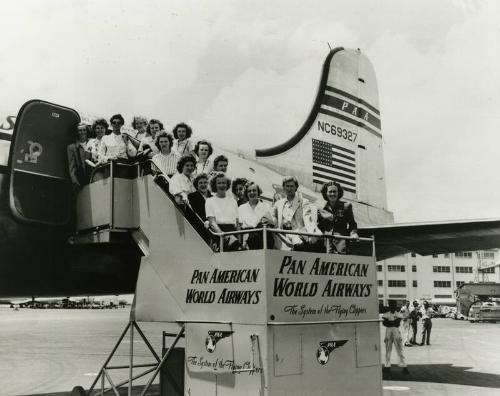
436, 277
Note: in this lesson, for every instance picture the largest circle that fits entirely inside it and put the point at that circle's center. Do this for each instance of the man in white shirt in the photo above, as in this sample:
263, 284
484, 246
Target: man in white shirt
427, 313
391, 321
294, 213
405, 323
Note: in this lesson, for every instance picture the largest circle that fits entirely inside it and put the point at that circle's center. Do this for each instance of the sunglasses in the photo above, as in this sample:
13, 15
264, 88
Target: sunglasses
116, 122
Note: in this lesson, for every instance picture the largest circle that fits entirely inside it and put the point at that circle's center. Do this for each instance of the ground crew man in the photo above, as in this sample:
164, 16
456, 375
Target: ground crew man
391, 321
405, 323
414, 318
427, 313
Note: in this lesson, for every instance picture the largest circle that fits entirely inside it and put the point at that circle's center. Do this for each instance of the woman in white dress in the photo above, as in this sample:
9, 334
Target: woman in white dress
222, 210
255, 214
99, 127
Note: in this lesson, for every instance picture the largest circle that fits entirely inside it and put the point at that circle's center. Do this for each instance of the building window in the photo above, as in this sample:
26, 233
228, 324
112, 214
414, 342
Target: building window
443, 296
397, 283
413, 268
400, 296
380, 282
490, 270
414, 283
442, 283
463, 270
396, 268
460, 283
463, 254
380, 296
440, 268
379, 268
489, 255
413, 255
447, 255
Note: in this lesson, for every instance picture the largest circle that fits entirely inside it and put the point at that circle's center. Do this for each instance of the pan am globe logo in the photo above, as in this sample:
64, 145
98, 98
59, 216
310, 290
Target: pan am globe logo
326, 348
213, 337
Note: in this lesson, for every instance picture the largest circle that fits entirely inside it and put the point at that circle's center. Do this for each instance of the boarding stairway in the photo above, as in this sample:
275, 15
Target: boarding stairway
260, 321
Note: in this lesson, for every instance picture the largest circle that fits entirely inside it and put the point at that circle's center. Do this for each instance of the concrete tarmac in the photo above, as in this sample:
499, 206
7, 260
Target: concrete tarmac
48, 352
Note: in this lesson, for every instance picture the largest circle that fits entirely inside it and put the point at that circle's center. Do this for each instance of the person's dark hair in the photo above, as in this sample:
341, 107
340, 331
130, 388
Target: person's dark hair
237, 182
218, 159
206, 142
117, 117
87, 128
154, 121
213, 181
138, 118
164, 134
198, 178
324, 189
102, 122
189, 131
251, 183
184, 160
287, 179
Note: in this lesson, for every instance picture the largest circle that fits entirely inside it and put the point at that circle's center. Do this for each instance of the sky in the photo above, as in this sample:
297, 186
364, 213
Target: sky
245, 73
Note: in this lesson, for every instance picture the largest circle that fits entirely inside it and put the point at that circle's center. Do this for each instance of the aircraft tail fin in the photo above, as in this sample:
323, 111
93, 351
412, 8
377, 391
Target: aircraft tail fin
341, 139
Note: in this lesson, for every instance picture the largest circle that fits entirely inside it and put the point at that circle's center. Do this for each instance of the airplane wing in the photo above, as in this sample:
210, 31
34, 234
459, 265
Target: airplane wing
433, 237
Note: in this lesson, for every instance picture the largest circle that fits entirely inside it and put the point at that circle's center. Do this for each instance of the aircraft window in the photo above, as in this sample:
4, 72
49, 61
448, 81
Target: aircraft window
396, 283
442, 284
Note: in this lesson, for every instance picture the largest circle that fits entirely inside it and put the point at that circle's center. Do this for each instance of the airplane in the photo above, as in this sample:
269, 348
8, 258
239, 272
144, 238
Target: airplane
340, 140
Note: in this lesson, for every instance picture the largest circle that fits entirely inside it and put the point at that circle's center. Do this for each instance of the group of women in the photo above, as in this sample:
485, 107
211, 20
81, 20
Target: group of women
227, 207
98, 143
199, 183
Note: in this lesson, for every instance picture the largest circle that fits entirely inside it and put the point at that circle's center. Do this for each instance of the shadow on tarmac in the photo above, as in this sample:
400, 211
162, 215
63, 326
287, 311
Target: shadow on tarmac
136, 391
443, 374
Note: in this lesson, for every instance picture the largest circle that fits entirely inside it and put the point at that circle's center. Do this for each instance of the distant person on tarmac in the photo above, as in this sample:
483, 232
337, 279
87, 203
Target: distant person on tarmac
415, 316
427, 313
405, 323
391, 321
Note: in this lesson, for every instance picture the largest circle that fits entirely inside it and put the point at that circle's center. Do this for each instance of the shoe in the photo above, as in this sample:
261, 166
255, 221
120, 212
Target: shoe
407, 344
428, 343
405, 370
421, 344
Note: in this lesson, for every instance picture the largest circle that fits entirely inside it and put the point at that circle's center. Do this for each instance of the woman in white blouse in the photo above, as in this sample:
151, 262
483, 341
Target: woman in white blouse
183, 145
255, 214
203, 150
114, 145
222, 210
99, 127
148, 142
181, 184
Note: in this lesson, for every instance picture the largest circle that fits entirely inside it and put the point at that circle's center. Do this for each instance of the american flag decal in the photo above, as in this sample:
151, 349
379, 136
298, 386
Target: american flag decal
334, 163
